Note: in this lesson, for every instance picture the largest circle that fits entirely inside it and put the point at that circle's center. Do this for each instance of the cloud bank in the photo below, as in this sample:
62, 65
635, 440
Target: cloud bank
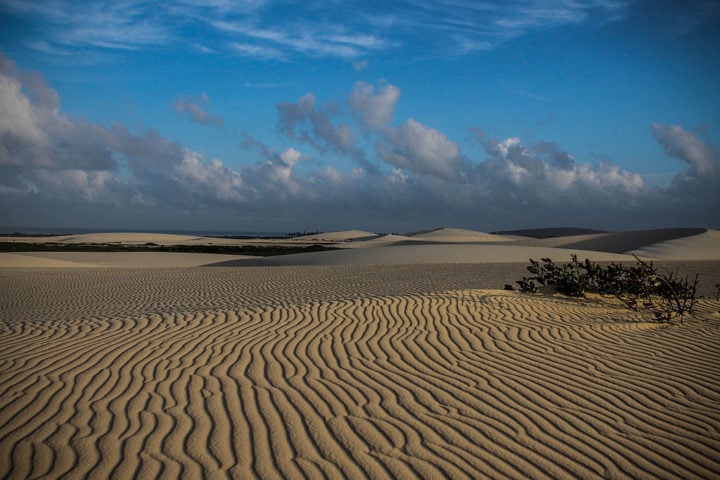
59, 171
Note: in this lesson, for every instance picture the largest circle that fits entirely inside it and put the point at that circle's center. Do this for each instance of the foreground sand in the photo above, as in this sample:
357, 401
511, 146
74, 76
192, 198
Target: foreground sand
344, 372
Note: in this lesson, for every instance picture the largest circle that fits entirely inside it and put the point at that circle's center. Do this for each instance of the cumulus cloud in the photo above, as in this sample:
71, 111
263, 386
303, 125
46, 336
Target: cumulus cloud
374, 109
684, 145
421, 149
543, 174
193, 107
322, 133
33, 133
21, 138
211, 179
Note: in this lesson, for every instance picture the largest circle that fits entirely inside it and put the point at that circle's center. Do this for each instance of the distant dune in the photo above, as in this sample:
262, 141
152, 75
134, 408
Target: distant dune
703, 246
549, 232
339, 236
415, 254
443, 245
129, 238
456, 235
621, 242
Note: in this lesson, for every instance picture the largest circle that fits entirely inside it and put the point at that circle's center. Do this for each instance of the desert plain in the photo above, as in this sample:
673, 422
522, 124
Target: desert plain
390, 356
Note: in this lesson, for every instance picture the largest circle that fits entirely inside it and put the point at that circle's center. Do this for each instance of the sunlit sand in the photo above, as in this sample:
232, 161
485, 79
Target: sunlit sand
399, 360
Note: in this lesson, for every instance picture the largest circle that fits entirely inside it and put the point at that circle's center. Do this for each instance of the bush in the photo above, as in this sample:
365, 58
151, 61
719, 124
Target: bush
641, 285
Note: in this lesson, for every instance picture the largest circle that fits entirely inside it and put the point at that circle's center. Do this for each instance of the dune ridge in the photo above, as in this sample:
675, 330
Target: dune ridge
357, 247
387, 373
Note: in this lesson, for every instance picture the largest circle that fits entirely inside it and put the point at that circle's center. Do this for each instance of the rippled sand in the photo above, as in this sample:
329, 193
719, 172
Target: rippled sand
345, 372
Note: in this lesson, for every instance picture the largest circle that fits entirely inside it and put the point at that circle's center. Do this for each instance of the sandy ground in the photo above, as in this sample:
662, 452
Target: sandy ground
396, 358
113, 259
424, 254
410, 371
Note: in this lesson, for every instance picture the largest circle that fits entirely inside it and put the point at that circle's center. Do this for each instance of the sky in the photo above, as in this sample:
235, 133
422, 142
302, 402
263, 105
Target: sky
279, 116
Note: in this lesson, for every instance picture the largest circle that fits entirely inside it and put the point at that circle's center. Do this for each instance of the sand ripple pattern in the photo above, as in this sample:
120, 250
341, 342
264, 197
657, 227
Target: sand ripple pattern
310, 381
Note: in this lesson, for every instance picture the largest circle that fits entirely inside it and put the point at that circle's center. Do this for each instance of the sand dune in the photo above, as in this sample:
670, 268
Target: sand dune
344, 372
444, 245
125, 237
617, 242
705, 246
339, 236
457, 235
113, 259
32, 259
377, 241
418, 254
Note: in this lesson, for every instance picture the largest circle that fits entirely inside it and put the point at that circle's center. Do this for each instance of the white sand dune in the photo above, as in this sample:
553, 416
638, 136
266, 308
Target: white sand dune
555, 242
33, 259
705, 246
126, 238
457, 235
344, 372
417, 254
445, 245
338, 236
616, 242
377, 241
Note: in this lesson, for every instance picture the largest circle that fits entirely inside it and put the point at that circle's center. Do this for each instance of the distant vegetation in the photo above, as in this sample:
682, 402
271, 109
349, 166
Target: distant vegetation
33, 235
258, 250
640, 286
302, 234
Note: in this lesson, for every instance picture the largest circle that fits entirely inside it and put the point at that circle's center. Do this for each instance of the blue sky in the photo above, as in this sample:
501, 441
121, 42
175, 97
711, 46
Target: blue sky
387, 116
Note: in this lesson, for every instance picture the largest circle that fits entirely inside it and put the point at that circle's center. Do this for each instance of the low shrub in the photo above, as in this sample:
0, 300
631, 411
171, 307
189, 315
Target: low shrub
667, 296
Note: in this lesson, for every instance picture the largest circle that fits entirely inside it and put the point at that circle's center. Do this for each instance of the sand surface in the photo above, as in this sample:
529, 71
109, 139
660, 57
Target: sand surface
113, 259
442, 245
345, 372
426, 254
616, 242
705, 246
457, 235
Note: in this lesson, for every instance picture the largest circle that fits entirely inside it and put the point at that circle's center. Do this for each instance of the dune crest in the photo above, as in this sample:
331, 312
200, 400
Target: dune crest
450, 235
704, 246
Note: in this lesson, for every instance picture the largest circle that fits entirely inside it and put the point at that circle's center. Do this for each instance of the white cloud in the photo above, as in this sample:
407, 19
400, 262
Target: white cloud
684, 145
21, 139
544, 168
257, 51
375, 109
323, 133
208, 180
421, 149
94, 187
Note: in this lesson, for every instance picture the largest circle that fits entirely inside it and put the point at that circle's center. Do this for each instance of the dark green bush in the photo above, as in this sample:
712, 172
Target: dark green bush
640, 285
